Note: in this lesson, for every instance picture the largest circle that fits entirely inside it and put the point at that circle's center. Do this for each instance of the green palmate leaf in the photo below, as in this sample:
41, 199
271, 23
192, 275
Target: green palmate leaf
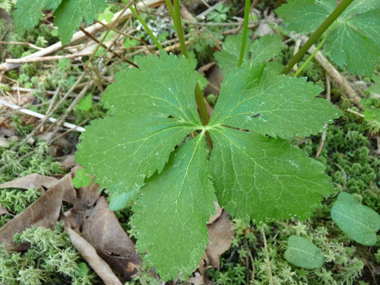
359, 222
303, 253
171, 216
353, 41
70, 14
160, 85
256, 52
264, 179
122, 151
254, 98
28, 12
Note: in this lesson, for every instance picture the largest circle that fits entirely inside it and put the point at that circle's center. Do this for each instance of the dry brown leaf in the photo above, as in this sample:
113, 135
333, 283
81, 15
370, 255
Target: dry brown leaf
69, 162
102, 229
30, 181
88, 252
43, 212
220, 238
3, 210
218, 212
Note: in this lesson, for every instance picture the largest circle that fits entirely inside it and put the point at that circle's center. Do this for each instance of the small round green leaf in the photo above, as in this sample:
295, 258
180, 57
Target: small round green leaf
77, 182
303, 253
359, 222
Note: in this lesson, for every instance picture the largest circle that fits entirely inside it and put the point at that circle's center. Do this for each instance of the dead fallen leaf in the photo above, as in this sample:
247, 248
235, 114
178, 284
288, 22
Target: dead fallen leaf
30, 181
102, 229
69, 162
3, 210
220, 238
218, 212
43, 212
88, 252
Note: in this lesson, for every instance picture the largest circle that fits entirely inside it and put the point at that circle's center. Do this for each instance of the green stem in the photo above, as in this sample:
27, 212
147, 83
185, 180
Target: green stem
141, 20
198, 92
178, 26
245, 31
310, 57
317, 34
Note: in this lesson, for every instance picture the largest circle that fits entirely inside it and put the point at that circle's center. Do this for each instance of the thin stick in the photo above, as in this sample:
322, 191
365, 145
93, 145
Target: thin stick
267, 257
355, 113
338, 78
47, 116
128, 36
21, 43
328, 97
60, 122
38, 115
45, 58
78, 36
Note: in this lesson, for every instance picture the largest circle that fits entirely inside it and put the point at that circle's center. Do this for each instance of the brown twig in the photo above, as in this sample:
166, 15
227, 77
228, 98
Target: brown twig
21, 43
338, 78
128, 36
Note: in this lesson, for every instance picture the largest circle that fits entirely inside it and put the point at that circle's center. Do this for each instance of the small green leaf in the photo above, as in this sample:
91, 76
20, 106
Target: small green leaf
264, 179
274, 105
85, 104
303, 253
70, 14
359, 222
121, 200
82, 269
28, 13
171, 215
77, 182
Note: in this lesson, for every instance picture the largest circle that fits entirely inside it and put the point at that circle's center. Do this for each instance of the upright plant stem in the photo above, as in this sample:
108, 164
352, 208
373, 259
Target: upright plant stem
310, 57
178, 26
325, 25
245, 31
198, 92
141, 20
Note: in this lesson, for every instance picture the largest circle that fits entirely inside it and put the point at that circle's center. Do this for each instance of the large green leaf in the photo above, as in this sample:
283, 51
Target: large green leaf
353, 41
350, 48
305, 16
122, 151
303, 253
264, 179
255, 99
262, 49
359, 222
28, 13
160, 85
70, 14
171, 215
